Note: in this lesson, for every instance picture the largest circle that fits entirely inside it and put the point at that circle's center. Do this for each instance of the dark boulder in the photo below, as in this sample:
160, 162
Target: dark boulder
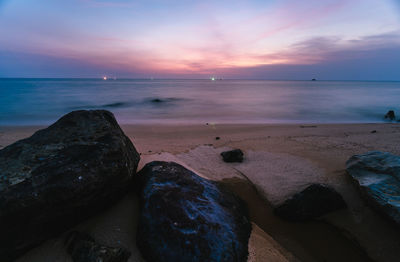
185, 217
60, 176
83, 248
377, 175
390, 115
314, 201
235, 155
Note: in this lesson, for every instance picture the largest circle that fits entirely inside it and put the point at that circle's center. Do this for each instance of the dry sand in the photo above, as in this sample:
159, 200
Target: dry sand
279, 160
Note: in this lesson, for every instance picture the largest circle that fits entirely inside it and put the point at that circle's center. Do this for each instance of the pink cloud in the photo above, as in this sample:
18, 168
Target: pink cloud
296, 16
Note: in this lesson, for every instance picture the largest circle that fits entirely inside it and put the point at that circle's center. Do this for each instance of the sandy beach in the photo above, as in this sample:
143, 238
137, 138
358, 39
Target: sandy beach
280, 160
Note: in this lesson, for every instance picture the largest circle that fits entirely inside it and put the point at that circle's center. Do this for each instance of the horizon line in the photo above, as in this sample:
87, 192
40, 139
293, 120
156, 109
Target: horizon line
217, 79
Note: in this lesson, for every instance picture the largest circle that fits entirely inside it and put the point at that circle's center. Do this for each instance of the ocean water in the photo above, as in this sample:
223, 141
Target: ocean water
42, 101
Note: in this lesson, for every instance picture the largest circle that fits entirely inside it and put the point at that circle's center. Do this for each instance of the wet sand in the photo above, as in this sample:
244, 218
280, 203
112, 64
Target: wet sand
279, 161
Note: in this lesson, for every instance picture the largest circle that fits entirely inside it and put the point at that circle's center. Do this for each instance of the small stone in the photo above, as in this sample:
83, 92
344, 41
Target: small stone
217, 138
373, 131
235, 155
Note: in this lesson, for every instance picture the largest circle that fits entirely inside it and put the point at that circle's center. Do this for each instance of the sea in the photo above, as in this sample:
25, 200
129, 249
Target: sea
184, 101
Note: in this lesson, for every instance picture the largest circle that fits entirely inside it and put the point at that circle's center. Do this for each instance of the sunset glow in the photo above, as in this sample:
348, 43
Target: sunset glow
239, 39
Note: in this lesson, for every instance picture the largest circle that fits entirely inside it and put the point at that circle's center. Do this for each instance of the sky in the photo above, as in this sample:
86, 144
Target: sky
277, 39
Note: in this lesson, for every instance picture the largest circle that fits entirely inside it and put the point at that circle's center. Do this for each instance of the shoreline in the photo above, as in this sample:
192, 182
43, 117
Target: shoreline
279, 160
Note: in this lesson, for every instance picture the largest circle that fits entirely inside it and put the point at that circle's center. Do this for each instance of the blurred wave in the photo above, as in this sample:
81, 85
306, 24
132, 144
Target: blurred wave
42, 101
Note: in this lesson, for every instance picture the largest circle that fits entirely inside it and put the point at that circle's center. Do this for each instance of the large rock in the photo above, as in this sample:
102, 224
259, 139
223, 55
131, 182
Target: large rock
83, 248
390, 115
377, 174
61, 175
185, 217
314, 201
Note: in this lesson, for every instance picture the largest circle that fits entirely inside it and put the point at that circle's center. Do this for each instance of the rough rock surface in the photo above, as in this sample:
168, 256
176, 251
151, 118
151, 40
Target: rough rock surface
61, 175
185, 217
235, 155
377, 174
83, 248
314, 201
